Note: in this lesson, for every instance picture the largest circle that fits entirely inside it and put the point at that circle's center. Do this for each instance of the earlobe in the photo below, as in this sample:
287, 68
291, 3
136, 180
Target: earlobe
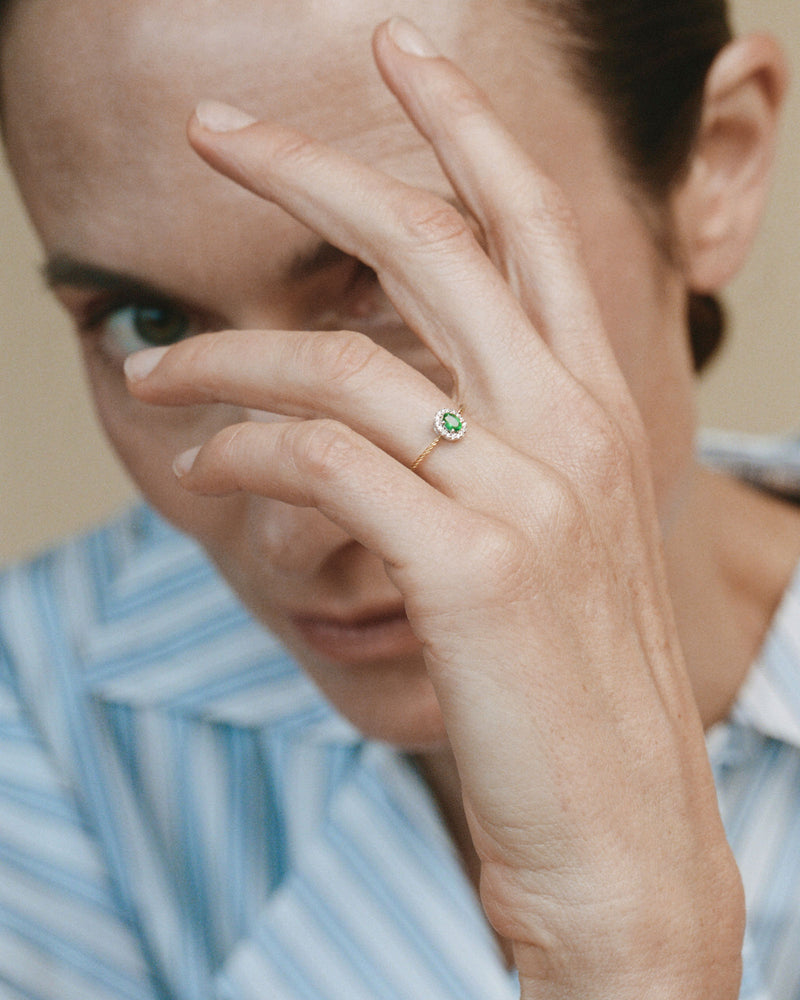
718, 207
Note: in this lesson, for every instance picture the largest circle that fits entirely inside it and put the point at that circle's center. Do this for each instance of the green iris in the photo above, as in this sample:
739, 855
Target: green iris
132, 327
159, 325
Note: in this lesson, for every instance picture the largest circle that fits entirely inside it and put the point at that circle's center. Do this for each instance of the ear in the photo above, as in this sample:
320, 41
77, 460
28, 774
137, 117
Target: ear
718, 207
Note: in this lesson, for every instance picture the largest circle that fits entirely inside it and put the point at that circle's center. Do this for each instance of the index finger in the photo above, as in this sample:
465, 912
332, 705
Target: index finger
528, 224
422, 249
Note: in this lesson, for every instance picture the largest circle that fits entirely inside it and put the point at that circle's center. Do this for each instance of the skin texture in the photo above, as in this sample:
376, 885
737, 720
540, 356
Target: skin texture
106, 204
541, 646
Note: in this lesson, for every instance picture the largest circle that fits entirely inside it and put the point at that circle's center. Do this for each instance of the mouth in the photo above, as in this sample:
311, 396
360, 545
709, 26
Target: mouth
358, 639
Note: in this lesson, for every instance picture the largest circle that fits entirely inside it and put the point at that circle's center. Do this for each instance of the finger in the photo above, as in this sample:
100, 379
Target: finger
509, 379
532, 234
325, 465
528, 224
423, 250
342, 376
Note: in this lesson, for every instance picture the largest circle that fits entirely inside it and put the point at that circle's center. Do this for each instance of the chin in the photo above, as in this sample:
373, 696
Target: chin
391, 704
417, 734
387, 697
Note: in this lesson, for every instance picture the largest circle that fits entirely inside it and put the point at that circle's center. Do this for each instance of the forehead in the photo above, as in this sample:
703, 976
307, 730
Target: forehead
87, 70
135, 57
98, 92
84, 78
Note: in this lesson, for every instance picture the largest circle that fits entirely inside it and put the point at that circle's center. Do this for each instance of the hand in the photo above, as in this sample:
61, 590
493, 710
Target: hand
535, 578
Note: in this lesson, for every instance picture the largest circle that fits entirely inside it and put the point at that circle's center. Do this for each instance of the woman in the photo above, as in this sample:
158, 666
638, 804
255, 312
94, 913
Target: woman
539, 604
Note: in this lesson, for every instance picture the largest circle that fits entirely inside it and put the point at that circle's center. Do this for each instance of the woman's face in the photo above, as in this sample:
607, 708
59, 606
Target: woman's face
145, 239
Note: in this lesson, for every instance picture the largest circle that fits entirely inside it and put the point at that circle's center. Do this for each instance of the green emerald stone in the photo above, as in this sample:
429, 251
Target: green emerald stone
452, 423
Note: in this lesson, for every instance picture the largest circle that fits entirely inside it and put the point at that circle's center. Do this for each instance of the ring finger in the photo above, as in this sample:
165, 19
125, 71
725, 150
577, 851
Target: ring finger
340, 376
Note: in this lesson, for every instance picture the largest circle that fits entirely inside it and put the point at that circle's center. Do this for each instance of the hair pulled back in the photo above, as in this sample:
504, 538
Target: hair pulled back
644, 63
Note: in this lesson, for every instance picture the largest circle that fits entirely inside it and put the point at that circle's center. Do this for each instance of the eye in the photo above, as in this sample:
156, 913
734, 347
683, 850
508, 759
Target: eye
123, 328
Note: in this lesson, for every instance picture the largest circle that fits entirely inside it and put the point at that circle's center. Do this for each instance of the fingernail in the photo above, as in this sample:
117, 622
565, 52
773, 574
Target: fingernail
139, 365
408, 38
184, 462
219, 117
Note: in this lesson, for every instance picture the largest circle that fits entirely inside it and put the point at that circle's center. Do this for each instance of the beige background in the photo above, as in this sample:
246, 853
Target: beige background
57, 474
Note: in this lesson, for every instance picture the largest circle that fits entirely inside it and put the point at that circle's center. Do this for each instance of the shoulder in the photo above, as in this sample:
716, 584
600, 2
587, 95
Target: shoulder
62, 932
87, 572
94, 578
92, 599
770, 461
135, 614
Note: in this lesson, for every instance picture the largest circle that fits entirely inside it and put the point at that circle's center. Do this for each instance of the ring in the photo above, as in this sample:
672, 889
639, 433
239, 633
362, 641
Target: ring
448, 424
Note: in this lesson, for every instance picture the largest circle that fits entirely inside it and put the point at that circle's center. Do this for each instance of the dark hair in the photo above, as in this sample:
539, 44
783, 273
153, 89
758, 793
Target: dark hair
644, 62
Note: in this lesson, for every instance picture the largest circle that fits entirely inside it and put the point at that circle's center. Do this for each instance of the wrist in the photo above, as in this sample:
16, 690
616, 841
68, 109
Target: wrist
659, 953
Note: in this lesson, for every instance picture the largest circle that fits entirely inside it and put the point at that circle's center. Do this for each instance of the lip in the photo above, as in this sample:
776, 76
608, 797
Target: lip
359, 638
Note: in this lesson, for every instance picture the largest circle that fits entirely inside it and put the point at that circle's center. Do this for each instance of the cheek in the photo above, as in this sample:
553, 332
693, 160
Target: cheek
253, 540
148, 438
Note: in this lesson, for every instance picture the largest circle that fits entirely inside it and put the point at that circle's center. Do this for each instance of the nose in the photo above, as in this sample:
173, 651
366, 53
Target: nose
297, 542
305, 550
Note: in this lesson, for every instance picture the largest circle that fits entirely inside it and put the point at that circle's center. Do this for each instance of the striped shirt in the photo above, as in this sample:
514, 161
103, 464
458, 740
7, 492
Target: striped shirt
183, 817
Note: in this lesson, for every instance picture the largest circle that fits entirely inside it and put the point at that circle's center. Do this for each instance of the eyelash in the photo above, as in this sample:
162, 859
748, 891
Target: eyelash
98, 319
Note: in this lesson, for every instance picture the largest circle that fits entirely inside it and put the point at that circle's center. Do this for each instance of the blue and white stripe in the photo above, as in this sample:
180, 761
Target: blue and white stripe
756, 756
182, 817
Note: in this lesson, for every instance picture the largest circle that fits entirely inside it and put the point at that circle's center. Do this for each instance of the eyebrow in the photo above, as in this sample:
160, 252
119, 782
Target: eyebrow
64, 270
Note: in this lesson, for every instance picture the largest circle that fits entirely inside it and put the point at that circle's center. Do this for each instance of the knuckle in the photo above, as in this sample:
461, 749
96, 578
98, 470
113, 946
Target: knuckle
292, 149
602, 458
323, 449
561, 516
604, 449
431, 224
462, 99
498, 556
544, 222
543, 214
344, 358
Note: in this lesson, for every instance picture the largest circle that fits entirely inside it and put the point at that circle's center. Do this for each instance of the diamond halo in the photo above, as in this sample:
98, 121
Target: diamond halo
450, 424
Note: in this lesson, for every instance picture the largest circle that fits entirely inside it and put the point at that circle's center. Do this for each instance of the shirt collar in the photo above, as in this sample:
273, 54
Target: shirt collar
768, 703
166, 632
771, 462
769, 700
